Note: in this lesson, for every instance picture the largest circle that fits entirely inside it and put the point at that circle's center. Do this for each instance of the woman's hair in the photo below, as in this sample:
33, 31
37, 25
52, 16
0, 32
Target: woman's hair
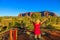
37, 20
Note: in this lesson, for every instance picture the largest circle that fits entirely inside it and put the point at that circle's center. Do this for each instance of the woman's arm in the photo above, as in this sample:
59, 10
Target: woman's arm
45, 19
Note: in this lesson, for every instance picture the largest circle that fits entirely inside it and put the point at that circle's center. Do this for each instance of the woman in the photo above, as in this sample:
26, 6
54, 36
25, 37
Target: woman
37, 25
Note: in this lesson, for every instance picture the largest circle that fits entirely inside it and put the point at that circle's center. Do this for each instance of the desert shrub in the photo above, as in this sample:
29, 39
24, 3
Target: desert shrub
49, 27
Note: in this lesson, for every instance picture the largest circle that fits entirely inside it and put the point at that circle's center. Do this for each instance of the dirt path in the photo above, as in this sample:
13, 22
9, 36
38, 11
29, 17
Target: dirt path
52, 35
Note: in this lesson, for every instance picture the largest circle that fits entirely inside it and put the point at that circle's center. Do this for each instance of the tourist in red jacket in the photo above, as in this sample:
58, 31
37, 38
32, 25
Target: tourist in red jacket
37, 25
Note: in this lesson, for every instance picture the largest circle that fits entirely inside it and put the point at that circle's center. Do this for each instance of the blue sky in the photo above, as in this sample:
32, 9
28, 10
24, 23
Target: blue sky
14, 7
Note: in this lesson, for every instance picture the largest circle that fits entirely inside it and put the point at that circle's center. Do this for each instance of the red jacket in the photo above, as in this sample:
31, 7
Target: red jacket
37, 30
